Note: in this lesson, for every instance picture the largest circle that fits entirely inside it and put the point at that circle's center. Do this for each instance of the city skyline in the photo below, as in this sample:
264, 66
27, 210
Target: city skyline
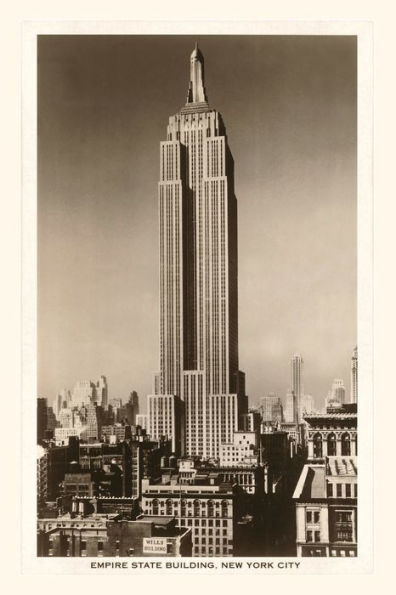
96, 340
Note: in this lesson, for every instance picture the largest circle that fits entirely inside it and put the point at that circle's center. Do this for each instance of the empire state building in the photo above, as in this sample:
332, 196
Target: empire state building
199, 392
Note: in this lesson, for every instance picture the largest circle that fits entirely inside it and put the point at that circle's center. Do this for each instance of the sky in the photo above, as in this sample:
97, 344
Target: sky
289, 106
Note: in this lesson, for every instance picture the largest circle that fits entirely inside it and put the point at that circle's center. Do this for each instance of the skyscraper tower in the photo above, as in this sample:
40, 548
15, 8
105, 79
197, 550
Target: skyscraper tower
296, 380
354, 376
198, 273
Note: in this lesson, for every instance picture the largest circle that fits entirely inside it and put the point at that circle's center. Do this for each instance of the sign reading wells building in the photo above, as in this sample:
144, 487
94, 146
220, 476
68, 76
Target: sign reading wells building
154, 545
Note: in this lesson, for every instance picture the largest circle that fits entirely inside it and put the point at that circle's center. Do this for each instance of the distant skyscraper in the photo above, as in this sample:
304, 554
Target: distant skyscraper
291, 409
271, 408
102, 392
306, 405
83, 393
141, 420
93, 421
198, 274
354, 376
62, 399
296, 365
66, 418
132, 407
336, 395
86, 391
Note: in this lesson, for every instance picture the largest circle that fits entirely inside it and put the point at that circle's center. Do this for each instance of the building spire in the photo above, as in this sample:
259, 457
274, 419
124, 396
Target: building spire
196, 89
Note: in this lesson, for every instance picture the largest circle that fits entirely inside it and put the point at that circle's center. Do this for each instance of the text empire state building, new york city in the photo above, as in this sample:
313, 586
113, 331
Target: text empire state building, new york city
199, 392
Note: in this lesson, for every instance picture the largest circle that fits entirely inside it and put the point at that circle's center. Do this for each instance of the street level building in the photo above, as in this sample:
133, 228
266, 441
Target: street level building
207, 506
326, 508
107, 535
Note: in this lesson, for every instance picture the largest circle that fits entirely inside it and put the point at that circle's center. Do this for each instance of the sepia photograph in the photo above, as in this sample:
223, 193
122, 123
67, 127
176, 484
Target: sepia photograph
197, 299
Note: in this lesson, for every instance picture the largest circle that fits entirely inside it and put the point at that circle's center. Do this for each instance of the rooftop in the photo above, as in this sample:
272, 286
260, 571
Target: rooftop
341, 466
312, 481
330, 415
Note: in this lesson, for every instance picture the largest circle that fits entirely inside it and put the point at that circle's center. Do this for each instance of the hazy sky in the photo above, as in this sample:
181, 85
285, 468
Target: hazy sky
289, 105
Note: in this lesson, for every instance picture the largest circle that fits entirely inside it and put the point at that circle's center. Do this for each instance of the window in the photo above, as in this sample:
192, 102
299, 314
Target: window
345, 445
309, 535
331, 445
309, 516
155, 507
317, 536
339, 490
83, 548
355, 490
343, 525
329, 490
348, 490
316, 516
317, 446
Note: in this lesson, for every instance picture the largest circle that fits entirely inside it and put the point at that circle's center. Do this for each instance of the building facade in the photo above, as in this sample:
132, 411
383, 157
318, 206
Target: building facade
107, 535
206, 506
243, 450
326, 492
326, 508
164, 419
331, 434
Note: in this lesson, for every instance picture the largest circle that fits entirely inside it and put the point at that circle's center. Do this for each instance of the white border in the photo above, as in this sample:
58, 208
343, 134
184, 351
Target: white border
364, 562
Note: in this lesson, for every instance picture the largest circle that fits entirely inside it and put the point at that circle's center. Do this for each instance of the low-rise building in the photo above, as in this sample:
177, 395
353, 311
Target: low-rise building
99, 535
208, 506
326, 508
332, 434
